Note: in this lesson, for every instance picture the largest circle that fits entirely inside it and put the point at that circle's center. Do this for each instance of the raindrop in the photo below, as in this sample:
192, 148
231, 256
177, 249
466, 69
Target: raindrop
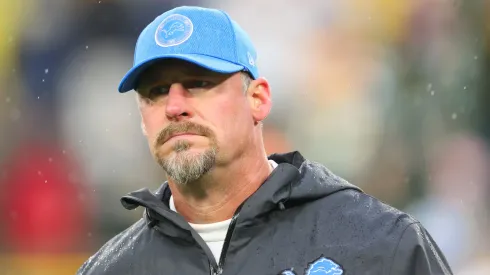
38, 97
429, 87
475, 57
129, 113
13, 70
99, 2
43, 79
80, 141
46, 181
454, 116
86, 47
46, 71
464, 88
114, 171
64, 152
7, 99
432, 92
39, 173
89, 234
50, 159
107, 130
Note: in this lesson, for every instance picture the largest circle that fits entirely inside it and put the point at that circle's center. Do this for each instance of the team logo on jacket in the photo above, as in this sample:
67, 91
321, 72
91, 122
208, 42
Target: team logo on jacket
321, 266
174, 30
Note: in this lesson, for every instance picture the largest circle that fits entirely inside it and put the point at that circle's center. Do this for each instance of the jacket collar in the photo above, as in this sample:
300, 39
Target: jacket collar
295, 180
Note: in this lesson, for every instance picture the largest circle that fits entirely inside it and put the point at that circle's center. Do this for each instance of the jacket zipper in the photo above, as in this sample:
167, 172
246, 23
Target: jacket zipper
226, 244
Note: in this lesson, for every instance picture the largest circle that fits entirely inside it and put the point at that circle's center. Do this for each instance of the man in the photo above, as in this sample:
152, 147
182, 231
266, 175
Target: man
227, 208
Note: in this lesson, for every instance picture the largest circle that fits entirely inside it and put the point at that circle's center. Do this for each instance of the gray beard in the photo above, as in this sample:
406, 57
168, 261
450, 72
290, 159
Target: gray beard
185, 167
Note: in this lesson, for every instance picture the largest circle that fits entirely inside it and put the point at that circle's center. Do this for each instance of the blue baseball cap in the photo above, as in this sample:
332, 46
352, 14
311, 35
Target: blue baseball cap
206, 37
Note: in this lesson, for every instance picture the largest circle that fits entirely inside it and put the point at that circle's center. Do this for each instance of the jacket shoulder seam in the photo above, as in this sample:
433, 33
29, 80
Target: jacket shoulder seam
395, 250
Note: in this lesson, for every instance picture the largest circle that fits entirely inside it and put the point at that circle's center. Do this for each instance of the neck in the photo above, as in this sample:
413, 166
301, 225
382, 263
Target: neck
217, 195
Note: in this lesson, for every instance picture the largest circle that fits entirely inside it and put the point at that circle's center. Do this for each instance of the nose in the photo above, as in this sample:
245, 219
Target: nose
177, 106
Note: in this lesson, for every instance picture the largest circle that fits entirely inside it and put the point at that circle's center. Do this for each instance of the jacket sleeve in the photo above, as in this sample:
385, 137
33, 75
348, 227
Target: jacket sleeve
417, 253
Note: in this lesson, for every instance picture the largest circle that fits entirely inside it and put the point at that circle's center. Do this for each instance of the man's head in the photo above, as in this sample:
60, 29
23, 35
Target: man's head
199, 94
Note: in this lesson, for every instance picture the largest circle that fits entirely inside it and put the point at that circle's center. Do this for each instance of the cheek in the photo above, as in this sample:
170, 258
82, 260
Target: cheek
152, 121
232, 119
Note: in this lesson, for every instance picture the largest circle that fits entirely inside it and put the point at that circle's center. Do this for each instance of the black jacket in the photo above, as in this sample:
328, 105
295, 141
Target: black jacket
302, 220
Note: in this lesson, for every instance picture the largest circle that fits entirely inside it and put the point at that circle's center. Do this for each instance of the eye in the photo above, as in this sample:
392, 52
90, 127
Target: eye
158, 91
197, 84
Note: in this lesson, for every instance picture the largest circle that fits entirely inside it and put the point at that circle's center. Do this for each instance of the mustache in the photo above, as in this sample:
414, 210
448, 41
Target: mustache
180, 128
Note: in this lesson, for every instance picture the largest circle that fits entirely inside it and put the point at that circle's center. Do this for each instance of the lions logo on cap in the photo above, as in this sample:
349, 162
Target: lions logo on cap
173, 30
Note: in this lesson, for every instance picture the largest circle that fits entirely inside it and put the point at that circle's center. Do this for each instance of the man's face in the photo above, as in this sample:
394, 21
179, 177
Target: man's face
194, 118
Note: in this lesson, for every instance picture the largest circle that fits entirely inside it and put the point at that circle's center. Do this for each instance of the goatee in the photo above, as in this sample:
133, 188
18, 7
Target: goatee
183, 166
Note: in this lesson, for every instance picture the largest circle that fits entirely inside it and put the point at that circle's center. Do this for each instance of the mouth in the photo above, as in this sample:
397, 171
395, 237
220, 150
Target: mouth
179, 135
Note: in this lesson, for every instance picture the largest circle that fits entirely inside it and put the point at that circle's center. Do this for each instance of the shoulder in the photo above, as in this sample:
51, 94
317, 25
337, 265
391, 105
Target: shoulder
355, 217
354, 205
114, 250
383, 232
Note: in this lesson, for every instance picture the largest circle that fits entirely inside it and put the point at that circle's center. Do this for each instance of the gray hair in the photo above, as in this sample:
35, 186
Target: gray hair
246, 80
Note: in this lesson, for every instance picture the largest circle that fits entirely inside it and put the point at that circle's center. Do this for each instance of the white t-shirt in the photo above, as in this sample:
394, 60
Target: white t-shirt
213, 234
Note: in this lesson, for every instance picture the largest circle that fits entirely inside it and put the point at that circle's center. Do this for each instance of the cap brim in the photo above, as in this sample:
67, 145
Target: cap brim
211, 63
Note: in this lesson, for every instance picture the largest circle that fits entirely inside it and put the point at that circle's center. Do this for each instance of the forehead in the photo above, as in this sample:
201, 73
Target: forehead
174, 69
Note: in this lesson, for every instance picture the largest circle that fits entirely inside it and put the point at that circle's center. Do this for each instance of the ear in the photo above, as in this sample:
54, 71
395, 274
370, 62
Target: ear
259, 96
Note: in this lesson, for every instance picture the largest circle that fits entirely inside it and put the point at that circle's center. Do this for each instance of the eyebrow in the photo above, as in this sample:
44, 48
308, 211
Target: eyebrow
184, 74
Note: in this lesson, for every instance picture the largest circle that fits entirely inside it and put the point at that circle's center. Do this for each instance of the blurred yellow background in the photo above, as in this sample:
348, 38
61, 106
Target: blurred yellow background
390, 95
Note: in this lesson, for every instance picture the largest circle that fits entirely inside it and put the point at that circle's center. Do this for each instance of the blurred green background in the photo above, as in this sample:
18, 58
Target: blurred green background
390, 95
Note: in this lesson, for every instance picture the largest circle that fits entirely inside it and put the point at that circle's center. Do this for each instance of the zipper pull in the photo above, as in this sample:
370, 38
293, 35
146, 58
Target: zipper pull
217, 271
